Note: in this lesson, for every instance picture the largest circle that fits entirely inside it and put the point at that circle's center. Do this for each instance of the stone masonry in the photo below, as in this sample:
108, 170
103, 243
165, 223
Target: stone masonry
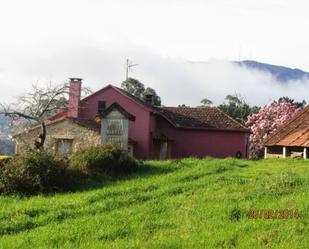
81, 136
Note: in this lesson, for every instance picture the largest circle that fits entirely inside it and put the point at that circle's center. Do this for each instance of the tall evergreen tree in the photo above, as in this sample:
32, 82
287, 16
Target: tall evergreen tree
137, 89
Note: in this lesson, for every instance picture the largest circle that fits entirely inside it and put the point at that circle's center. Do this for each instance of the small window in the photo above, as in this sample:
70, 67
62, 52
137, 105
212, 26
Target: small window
101, 106
115, 127
64, 147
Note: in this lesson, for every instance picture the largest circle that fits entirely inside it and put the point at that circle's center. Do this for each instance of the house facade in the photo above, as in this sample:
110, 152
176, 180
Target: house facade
153, 132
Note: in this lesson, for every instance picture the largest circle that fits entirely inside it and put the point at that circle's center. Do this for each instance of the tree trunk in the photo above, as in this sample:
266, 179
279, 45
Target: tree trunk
40, 144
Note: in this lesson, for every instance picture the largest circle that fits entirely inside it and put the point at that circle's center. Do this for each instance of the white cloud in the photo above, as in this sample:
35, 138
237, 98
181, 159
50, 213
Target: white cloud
56, 39
177, 80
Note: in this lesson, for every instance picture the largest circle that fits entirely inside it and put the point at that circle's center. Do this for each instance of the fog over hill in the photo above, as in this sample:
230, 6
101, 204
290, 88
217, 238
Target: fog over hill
259, 83
281, 73
177, 80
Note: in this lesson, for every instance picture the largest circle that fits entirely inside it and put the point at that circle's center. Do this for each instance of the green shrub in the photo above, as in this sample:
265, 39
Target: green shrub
108, 159
235, 214
36, 172
4, 160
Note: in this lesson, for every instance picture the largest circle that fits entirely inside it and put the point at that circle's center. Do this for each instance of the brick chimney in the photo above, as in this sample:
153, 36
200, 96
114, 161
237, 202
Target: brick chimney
74, 97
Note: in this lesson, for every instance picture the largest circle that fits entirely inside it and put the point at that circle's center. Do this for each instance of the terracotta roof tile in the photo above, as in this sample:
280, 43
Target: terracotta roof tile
186, 117
293, 133
200, 118
87, 123
58, 115
194, 117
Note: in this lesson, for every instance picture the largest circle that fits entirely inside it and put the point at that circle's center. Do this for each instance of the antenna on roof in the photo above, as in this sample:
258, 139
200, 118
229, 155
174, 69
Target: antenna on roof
129, 66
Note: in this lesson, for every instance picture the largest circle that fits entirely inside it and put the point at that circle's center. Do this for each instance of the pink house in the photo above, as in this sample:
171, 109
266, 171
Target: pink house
164, 132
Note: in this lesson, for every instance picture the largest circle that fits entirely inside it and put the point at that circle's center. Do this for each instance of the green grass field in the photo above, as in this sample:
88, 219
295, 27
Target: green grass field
175, 204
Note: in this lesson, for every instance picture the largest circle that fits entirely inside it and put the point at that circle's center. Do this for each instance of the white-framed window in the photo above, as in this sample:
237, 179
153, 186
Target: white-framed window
114, 127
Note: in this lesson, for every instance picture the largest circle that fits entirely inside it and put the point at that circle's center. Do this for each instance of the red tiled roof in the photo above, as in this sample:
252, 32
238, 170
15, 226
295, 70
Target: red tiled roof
193, 117
200, 118
293, 133
88, 123
58, 115
181, 117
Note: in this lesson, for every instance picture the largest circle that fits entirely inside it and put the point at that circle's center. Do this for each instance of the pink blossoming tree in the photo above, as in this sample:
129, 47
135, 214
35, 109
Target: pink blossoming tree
266, 122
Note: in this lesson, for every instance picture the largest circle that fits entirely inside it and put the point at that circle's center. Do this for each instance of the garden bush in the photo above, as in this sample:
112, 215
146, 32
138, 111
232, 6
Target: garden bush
4, 160
108, 159
35, 172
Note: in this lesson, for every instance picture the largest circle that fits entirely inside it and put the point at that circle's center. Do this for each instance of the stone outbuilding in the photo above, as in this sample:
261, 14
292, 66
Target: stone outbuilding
64, 136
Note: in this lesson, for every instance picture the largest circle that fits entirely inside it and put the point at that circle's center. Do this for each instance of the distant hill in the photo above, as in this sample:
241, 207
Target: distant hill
281, 73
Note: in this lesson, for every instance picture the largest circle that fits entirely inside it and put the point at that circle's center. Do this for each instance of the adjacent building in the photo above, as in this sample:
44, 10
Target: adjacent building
290, 139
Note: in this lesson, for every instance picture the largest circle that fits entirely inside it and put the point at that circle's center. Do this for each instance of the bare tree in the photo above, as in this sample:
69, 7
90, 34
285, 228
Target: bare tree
37, 104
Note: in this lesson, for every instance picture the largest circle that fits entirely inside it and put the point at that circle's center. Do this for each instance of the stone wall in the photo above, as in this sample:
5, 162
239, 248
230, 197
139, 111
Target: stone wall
82, 137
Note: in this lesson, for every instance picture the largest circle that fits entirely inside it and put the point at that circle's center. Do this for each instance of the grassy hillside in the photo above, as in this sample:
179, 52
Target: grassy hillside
175, 204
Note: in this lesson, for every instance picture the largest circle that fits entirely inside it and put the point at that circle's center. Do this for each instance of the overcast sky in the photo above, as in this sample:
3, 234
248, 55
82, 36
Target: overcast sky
52, 40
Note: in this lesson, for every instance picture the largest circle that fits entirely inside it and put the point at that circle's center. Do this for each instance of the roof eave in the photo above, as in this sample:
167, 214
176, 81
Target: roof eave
119, 91
202, 128
214, 129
